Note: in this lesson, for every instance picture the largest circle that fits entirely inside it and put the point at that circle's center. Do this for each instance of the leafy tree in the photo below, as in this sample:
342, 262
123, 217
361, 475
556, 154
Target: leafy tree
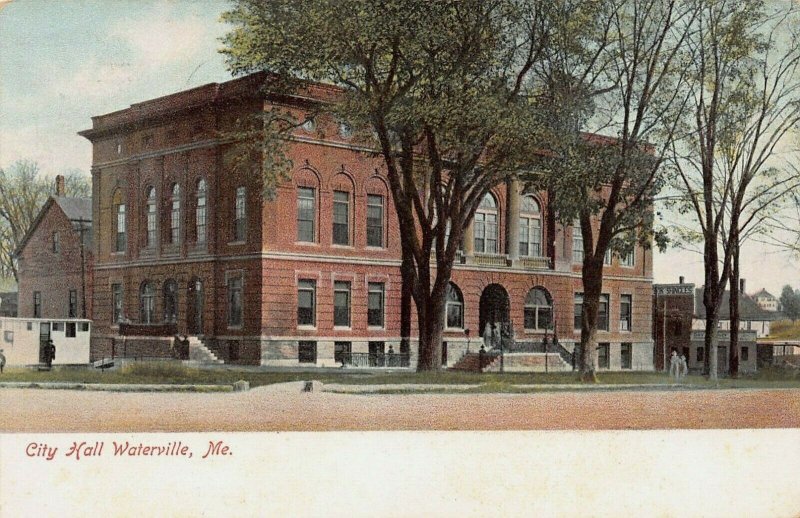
622, 79
23, 192
790, 303
447, 89
745, 89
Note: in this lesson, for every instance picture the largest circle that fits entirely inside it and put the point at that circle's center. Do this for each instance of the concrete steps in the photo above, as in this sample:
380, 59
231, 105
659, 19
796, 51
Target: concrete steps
198, 352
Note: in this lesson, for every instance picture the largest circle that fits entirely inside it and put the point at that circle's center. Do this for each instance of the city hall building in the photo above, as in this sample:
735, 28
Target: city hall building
186, 243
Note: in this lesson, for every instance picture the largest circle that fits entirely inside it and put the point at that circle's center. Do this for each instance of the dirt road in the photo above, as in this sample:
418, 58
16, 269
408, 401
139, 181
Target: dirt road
285, 407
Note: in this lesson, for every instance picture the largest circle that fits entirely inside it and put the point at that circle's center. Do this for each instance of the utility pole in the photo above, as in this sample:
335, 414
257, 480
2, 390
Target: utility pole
81, 231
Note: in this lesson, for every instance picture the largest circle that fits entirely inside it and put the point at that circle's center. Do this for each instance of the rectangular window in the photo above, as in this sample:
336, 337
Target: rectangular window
70, 330
306, 301
8, 337
341, 304
375, 304
37, 304
602, 313
84, 327
200, 219
342, 352
175, 221
307, 351
374, 220
700, 354
626, 355
58, 326
72, 310
607, 257
306, 213
577, 243
602, 356
122, 240
628, 259
116, 303
240, 216
341, 218
56, 244
530, 235
235, 301
745, 354
485, 231
578, 319
625, 305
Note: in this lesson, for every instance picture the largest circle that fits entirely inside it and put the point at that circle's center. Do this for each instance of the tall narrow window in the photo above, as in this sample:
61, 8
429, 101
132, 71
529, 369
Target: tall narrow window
306, 302
116, 303
578, 313
625, 305
486, 226
121, 241
175, 216
72, 309
454, 307
240, 215
374, 220
626, 355
607, 257
147, 302
538, 309
577, 243
306, 213
152, 230
200, 213
530, 228
341, 304
170, 301
602, 313
235, 301
37, 304
341, 218
375, 304
56, 244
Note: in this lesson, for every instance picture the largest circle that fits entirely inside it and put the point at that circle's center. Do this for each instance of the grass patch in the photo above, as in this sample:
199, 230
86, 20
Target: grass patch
785, 330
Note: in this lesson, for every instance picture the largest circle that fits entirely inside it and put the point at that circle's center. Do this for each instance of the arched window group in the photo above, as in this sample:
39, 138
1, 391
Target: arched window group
147, 302
538, 308
120, 223
152, 226
169, 297
175, 215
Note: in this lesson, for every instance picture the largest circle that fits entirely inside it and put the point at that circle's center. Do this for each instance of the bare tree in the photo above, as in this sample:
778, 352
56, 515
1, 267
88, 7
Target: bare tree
746, 93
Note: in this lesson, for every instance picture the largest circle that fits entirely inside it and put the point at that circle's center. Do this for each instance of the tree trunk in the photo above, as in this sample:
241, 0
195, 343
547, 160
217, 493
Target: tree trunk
733, 346
405, 302
592, 286
430, 318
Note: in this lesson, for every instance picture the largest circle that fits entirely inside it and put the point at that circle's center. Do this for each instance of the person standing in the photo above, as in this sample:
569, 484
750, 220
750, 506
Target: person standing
673, 365
49, 353
2, 361
683, 367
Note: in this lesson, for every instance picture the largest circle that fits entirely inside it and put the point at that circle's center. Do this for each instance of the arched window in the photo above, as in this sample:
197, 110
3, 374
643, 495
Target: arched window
152, 229
200, 212
120, 240
530, 228
538, 309
147, 302
175, 215
486, 226
454, 307
170, 301
239, 215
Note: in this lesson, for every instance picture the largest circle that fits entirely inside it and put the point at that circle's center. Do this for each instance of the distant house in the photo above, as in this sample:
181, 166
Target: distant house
751, 316
55, 260
8, 304
765, 300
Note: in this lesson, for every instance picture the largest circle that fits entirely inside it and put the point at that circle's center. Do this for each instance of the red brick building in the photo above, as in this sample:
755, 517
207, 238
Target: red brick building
673, 307
186, 244
55, 260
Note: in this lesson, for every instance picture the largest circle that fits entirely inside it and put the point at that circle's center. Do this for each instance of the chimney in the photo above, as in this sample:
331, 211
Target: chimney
680, 279
741, 286
60, 187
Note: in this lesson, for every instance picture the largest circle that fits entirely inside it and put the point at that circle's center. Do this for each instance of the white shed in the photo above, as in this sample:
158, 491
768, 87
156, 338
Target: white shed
22, 340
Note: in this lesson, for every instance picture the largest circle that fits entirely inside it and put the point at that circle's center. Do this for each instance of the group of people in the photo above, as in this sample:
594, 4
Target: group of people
678, 367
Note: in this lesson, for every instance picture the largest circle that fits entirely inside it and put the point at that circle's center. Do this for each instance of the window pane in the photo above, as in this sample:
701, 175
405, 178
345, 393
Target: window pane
305, 214
307, 352
375, 304
341, 218
374, 220
341, 304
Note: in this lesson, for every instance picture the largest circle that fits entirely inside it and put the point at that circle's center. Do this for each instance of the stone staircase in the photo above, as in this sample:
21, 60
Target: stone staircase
198, 352
470, 362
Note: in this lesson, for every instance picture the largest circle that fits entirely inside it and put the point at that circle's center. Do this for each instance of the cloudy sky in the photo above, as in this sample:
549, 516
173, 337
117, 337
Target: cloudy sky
62, 62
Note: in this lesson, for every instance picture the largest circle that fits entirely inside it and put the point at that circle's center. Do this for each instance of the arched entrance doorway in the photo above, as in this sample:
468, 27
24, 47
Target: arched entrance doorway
194, 313
494, 315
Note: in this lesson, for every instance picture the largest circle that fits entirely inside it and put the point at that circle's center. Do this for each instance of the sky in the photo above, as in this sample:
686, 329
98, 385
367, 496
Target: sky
63, 62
